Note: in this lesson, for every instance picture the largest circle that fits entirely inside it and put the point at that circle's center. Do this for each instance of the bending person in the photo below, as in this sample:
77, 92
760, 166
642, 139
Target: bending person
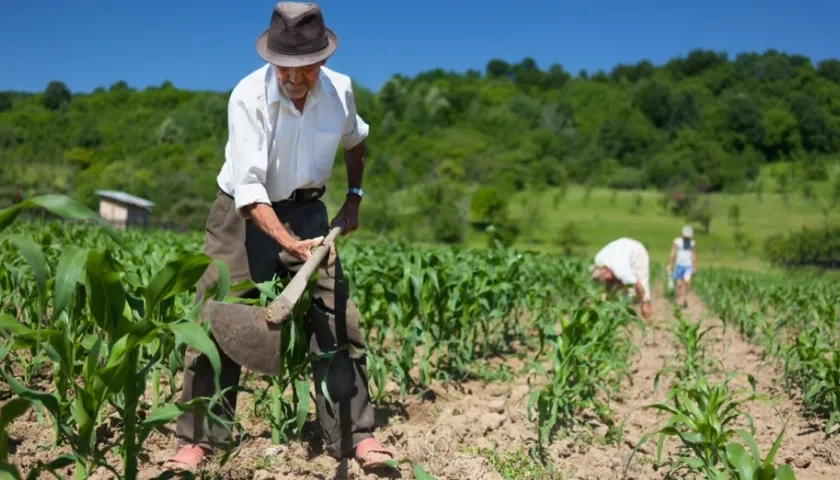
625, 262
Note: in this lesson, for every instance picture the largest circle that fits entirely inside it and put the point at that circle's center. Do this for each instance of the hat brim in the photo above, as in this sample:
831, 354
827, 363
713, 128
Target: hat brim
281, 60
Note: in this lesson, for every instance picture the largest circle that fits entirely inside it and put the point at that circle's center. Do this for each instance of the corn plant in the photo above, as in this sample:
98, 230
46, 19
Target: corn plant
692, 354
109, 366
742, 465
812, 364
794, 321
587, 352
430, 315
294, 367
703, 416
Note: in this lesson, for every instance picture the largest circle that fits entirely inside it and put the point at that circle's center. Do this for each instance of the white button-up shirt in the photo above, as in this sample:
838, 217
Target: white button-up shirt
628, 259
273, 149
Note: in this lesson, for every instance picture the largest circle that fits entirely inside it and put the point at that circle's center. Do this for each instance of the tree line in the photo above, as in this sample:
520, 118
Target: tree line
703, 122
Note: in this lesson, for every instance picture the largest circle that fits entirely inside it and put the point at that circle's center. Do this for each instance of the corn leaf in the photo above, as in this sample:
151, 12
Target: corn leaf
35, 257
176, 277
61, 206
106, 296
69, 272
192, 335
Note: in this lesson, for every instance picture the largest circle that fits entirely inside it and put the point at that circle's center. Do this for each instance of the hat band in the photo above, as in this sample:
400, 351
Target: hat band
281, 45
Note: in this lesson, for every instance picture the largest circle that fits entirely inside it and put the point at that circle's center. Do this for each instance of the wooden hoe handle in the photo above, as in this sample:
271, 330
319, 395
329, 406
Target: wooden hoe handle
280, 308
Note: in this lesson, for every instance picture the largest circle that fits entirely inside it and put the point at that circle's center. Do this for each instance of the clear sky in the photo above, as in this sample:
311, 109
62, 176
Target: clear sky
209, 44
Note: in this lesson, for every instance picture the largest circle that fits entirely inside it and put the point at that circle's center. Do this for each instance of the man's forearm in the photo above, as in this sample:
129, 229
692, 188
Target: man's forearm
640, 292
354, 160
266, 220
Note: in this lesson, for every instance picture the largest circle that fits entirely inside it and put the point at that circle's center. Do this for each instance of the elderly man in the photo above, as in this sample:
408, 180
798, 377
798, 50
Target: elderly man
625, 262
286, 121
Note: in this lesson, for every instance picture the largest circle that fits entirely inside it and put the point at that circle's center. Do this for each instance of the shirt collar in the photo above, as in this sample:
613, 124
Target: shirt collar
273, 93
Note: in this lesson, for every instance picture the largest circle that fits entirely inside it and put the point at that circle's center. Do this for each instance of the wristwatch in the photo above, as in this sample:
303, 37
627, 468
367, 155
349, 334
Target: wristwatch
355, 191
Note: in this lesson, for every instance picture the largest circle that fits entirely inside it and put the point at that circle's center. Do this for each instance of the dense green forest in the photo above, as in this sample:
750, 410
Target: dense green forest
703, 122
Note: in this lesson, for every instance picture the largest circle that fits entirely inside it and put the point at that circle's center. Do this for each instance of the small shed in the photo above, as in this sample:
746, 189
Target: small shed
121, 209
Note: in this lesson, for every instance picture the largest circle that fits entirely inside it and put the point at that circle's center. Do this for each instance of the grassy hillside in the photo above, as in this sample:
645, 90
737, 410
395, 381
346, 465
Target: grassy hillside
608, 214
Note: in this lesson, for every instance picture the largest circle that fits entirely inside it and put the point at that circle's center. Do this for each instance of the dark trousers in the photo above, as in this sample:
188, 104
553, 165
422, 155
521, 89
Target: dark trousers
332, 321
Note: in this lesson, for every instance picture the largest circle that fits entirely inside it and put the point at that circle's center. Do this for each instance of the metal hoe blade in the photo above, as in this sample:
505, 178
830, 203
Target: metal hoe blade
250, 336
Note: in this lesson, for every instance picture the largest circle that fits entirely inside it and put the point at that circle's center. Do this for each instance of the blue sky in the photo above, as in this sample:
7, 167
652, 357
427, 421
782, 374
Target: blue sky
210, 44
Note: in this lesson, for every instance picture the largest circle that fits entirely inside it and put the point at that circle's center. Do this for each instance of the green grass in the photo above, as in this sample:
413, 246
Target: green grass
607, 216
602, 220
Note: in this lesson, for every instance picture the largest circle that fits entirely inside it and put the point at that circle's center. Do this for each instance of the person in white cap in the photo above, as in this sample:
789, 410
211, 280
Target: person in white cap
682, 263
625, 262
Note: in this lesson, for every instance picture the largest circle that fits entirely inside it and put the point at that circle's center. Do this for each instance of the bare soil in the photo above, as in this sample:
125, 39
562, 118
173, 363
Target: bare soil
805, 447
452, 431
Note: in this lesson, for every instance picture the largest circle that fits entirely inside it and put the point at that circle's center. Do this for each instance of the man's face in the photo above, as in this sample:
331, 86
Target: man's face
603, 274
296, 82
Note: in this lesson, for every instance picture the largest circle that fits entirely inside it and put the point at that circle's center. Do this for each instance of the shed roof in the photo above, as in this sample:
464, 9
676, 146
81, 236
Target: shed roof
126, 198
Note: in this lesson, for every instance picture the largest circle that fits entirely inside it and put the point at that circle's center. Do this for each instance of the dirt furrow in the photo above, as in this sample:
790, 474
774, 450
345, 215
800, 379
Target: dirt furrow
812, 454
468, 431
451, 432
593, 456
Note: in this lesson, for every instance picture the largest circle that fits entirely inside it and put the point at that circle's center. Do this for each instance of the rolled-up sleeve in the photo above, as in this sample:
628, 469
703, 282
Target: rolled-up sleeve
640, 265
355, 128
248, 152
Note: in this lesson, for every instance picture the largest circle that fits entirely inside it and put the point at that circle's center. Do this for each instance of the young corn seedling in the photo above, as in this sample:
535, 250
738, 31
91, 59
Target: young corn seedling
587, 351
703, 416
110, 368
694, 362
742, 465
294, 367
797, 321
813, 365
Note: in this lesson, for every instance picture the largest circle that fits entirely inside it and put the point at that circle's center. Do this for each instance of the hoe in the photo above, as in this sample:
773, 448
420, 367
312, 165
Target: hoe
250, 336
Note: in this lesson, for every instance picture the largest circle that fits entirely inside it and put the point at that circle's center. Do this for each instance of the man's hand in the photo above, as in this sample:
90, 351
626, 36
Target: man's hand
329, 259
302, 249
645, 310
347, 217
265, 218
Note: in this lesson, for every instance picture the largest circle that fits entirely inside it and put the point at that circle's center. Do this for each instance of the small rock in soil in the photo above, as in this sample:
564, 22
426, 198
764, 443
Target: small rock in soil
497, 406
601, 431
274, 451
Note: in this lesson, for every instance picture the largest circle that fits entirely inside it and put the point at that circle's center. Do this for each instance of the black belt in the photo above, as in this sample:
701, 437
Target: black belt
301, 195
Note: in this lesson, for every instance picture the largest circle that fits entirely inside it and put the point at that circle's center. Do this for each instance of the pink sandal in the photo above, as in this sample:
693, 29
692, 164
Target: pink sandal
188, 458
369, 454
